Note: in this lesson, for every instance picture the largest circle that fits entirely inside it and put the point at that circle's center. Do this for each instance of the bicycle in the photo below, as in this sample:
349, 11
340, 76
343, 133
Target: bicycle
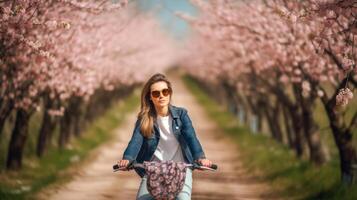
165, 179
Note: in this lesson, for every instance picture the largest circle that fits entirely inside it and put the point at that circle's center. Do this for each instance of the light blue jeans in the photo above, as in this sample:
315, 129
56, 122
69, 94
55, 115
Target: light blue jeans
185, 194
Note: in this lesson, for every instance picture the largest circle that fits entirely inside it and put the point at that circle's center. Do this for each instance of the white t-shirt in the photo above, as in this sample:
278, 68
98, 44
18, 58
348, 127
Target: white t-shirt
168, 148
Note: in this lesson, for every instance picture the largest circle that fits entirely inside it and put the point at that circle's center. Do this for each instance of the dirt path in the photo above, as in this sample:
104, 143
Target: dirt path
97, 181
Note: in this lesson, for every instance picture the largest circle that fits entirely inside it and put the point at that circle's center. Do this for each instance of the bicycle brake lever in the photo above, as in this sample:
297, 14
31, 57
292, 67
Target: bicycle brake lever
131, 165
199, 166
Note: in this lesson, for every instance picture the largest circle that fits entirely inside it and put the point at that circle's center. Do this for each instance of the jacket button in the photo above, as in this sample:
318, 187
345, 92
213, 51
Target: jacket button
177, 127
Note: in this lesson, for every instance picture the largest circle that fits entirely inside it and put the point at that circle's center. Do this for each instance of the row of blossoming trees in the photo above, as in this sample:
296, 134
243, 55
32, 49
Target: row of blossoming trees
70, 59
275, 60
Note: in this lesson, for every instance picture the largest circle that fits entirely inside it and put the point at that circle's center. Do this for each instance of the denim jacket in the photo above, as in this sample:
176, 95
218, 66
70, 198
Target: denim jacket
142, 149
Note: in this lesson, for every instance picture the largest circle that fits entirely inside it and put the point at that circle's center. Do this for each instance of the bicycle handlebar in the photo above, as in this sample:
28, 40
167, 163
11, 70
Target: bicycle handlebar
133, 165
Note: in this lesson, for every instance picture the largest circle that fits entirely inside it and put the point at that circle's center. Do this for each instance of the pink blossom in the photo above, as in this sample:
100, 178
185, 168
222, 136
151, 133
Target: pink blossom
343, 97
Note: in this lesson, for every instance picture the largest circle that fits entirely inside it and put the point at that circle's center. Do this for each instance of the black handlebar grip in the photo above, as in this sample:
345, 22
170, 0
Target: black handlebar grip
116, 166
129, 166
214, 166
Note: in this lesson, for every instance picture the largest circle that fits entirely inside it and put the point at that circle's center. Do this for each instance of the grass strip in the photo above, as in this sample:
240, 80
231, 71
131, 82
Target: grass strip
274, 162
37, 174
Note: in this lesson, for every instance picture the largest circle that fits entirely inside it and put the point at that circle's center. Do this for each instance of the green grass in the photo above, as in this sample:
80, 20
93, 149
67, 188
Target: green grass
39, 173
274, 162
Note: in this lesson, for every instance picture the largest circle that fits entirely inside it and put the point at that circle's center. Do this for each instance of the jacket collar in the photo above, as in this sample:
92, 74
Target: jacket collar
174, 111
174, 114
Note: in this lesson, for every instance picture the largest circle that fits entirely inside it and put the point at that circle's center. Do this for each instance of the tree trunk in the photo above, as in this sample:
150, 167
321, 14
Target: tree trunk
65, 123
76, 125
288, 127
4, 113
18, 139
295, 114
299, 141
347, 151
256, 106
310, 128
312, 135
243, 111
259, 120
341, 132
343, 139
275, 115
76, 116
89, 111
272, 122
47, 128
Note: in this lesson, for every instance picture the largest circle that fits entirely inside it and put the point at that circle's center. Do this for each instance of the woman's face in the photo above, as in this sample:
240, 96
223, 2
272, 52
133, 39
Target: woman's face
158, 91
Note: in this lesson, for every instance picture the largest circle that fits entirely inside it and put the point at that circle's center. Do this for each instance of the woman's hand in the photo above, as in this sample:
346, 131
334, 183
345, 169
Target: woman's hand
205, 162
123, 163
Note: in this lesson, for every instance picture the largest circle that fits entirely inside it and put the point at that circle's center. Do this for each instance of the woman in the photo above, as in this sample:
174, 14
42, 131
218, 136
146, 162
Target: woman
163, 132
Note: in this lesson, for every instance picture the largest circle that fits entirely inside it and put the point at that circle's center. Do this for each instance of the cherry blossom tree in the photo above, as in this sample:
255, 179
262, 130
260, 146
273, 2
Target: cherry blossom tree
58, 55
265, 57
335, 38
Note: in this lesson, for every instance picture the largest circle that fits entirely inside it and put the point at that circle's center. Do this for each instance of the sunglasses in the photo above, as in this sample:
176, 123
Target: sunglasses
156, 93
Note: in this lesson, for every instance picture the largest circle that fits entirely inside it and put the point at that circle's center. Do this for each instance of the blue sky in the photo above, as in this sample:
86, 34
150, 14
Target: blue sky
164, 10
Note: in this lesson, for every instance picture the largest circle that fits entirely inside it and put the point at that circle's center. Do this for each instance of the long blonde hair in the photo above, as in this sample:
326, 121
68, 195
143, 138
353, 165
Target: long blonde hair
147, 113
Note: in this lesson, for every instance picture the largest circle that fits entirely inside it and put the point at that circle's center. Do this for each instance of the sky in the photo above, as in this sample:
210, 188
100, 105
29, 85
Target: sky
165, 9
